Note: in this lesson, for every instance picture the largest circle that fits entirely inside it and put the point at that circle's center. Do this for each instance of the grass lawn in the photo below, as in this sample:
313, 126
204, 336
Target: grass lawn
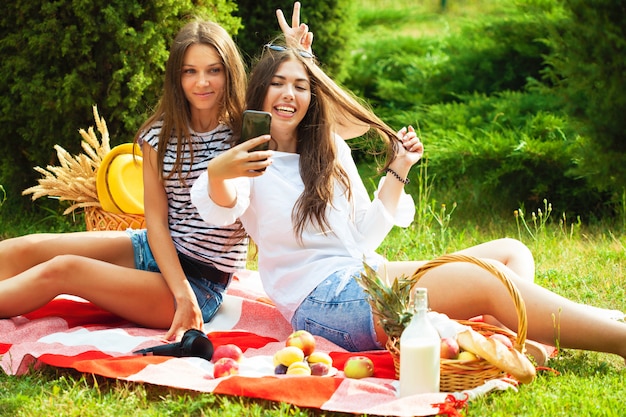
587, 265
584, 263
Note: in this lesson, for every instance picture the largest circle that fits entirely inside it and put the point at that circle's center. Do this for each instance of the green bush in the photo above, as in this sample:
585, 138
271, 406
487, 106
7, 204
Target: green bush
393, 74
331, 22
589, 66
496, 138
492, 55
504, 147
487, 56
61, 57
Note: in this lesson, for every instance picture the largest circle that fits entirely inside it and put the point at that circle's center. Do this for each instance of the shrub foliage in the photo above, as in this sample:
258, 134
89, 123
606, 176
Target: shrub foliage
331, 22
497, 133
514, 108
589, 67
61, 57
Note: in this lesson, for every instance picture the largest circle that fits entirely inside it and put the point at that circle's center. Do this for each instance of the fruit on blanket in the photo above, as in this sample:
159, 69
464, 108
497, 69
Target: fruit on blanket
227, 351
319, 368
503, 339
449, 348
303, 340
225, 367
320, 357
288, 355
467, 356
280, 369
299, 368
358, 367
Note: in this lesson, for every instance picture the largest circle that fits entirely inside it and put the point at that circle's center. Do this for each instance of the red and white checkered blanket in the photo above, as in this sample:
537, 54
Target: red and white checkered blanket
72, 333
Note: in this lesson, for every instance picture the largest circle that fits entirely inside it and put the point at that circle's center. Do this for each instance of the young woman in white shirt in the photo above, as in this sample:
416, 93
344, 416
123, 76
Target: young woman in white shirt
306, 208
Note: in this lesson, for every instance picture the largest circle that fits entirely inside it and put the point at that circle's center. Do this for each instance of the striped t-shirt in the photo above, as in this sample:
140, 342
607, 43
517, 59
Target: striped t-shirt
191, 235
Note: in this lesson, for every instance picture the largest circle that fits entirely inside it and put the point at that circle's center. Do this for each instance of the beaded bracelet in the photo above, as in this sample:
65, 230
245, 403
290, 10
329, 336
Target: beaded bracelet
397, 176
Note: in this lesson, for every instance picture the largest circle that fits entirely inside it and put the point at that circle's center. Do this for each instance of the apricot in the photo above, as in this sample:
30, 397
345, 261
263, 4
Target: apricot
288, 355
320, 357
299, 368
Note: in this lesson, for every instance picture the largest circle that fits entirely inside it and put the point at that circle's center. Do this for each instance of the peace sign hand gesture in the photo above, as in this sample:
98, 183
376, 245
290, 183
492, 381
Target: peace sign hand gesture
297, 35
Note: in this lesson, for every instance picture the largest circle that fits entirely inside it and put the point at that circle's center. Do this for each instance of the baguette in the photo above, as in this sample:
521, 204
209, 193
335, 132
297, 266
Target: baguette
496, 353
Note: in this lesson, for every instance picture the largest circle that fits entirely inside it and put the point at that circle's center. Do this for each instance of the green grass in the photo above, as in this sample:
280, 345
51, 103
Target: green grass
66, 393
585, 263
391, 18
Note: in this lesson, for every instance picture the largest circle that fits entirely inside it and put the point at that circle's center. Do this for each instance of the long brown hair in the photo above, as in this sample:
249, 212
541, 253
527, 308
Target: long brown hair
173, 108
319, 167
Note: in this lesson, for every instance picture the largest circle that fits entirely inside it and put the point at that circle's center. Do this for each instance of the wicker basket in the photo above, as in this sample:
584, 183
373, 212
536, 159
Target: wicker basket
455, 375
98, 219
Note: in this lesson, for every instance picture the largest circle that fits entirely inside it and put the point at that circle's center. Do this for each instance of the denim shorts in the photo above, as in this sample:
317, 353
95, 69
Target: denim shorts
339, 310
208, 294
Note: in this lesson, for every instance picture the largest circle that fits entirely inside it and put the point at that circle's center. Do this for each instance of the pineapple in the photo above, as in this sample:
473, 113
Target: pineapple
390, 303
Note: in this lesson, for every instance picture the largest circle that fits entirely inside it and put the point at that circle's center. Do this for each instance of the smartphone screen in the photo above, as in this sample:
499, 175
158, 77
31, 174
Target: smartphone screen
255, 124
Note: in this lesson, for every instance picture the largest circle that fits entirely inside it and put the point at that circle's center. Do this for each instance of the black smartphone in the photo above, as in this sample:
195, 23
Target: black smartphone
255, 124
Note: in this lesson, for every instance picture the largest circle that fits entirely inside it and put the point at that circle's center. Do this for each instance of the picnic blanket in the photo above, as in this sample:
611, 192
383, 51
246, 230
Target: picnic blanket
71, 333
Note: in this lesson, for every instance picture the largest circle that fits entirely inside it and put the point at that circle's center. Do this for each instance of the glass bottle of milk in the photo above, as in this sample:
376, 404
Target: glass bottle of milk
419, 350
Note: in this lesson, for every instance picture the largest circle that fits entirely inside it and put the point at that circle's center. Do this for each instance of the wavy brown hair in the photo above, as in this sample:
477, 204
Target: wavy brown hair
319, 167
173, 108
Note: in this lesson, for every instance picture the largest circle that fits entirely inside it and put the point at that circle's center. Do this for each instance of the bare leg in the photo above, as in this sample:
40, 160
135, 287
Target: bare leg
509, 255
19, 254
139, 296
509, 252
97, 266
462, 290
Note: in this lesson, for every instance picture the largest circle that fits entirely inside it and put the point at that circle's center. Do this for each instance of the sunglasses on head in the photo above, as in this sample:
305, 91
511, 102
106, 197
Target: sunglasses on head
279, 48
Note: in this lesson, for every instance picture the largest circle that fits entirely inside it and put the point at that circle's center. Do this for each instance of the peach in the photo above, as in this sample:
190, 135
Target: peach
449, 348
358, 367
227, 351
225, 367
303, 340
502, 339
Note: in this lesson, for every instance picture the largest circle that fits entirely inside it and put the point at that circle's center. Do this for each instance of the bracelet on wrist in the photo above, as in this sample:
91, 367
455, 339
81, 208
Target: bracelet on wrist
397, 176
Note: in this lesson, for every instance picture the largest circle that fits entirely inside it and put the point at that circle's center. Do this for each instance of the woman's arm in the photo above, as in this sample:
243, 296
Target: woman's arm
222, 193
188, 314
371, 218
408, 155
236, 162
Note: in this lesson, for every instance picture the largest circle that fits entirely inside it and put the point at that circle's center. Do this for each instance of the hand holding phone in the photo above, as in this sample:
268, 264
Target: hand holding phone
255, 124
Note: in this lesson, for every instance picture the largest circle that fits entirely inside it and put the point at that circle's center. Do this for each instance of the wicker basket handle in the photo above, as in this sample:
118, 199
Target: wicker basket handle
520, 307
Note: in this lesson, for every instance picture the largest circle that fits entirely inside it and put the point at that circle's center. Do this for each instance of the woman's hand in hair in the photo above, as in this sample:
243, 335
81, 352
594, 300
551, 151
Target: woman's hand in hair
412, 148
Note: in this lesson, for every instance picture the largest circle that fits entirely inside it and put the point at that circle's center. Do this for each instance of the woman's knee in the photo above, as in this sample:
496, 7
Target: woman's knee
17, 255
59, 267
515, 246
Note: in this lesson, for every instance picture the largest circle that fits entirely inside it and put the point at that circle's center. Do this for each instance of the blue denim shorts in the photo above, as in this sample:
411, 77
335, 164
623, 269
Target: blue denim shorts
208, 294
339, 310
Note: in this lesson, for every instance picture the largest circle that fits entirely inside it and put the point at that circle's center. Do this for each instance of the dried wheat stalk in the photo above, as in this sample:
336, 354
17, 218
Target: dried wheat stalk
75, 179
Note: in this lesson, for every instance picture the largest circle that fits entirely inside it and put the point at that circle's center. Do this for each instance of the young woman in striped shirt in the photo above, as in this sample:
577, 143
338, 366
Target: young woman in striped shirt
171, 275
